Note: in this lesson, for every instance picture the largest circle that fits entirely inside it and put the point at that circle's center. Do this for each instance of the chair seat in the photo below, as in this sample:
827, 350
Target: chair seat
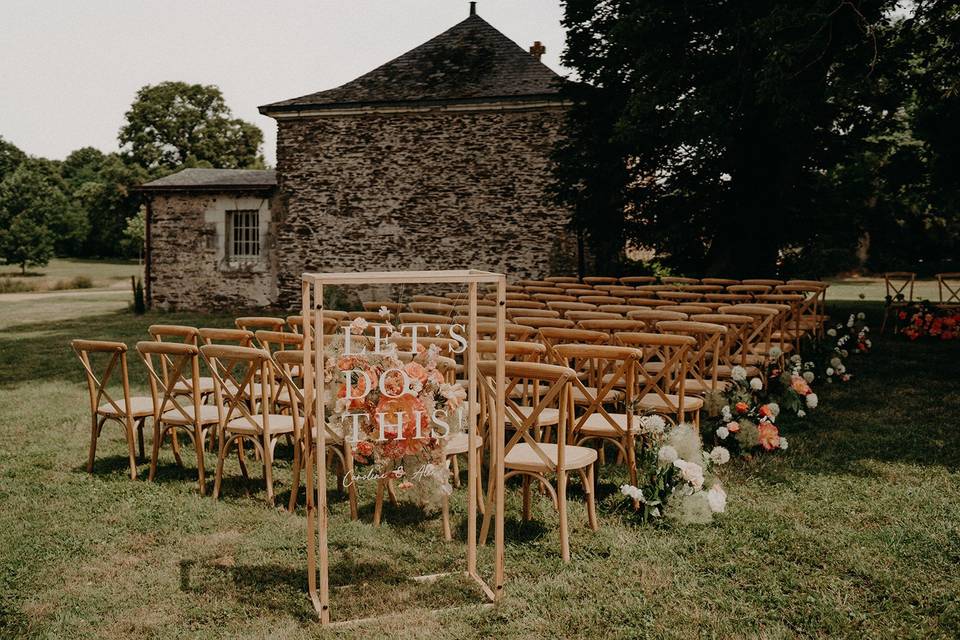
208, 415
726, 370
205, 383
654, 402
459, 443
548, 416
140, 406
279, 423
620, 383
597, 425
523, 458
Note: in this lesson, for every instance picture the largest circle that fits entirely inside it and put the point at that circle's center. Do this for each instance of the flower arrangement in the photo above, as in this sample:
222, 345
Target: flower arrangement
926, 321
676, 479
396, 415
789, 385
743, 418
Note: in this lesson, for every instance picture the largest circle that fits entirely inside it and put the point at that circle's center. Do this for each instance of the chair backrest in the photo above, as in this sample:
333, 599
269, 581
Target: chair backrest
425, 318
679, 280
611, 325
532, 313
235, 371
685, 308
680, 296
538, 323
253, 323
287, 364
595, 280
620, 309
525, 304
704, 356
611, 366
728, 298
663, 368
648, 303
598, 300
488, 331
376, 305
638, 280
279, 341
549, 290
723, 282
899, 285
653, 316
180, 364
554, 297
115, 354
556, 279
948, 286
571, 306
750, 289
577, 316
239, 337
439, 308
176, 332
772, 282
557, 382
761, 329
704, 288
738, 330
429, 298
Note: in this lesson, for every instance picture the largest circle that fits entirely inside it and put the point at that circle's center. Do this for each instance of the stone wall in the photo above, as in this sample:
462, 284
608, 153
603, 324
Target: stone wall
187, 266
431, 190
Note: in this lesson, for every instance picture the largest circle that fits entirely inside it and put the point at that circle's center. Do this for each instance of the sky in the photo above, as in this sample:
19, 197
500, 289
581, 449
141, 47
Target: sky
70, 70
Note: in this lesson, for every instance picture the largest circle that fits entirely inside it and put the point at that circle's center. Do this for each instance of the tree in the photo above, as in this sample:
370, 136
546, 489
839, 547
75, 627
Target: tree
10, 158
135, 233
36, 187
174, 123
108, 197
708, 129
26, 242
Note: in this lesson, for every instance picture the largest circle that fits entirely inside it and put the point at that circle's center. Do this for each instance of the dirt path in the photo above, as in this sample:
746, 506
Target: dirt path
123, 290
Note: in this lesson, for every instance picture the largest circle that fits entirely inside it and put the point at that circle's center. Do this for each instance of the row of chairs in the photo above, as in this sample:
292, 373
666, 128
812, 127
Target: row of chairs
899, 288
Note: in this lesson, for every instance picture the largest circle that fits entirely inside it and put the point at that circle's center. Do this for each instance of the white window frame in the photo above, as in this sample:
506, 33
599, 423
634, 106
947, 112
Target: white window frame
243, 233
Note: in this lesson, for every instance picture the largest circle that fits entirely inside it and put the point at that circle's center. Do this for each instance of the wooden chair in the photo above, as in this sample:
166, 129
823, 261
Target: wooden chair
738, 329
703, 356
759, 333
948, 289
577, 316
749, 289
234, 370
538, 323
524, 304
621, 309
679, 280
531, 313
662, 375
648, 303
638, 280
598, 300
554, 297
688, 309
899, 292
129, 411
185, 335
428, 298
174, 412
771, 282
595, 280
652, 317
431, 307
611, 326
533, 291
534, 460
376, 305
253, 323
676, 297
562, 279
723, 282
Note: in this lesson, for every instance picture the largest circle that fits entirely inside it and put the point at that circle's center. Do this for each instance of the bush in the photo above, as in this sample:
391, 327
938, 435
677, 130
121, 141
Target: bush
15, 285
77, 282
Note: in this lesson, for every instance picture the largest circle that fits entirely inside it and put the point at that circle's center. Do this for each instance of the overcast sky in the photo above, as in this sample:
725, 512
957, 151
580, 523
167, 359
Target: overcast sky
70, 69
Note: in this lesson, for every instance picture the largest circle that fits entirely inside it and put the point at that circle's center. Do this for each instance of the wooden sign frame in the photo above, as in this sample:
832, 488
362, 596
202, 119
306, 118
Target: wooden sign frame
317, 520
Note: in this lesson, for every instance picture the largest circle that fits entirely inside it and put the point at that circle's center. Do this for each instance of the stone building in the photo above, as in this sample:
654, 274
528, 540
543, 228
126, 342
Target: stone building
436, 159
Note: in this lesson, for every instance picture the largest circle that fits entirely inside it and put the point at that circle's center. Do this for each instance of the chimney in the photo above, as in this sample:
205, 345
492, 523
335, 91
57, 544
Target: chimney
473, 8
537, 49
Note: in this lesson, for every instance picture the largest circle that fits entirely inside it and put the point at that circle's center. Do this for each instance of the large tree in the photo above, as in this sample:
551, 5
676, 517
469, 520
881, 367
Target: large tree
707, 130
10, 157
26, 241
35, 188
173, 124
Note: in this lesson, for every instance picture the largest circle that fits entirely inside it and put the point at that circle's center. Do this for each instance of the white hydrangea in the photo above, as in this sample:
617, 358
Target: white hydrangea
808, 376
738, 373
720, 455
832, 333
667, 454
812, 400
756, 384
717, 498
774, 409
861, 316
722, 433
653, 424
795, 359
775, 352
725, 413
783, 443
829, 371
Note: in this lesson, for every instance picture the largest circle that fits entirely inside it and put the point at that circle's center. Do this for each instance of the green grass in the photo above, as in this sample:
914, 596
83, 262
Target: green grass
854, 532
69, 273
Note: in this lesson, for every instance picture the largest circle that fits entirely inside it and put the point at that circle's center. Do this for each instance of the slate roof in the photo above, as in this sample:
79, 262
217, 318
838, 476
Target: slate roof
470, 62
214, 180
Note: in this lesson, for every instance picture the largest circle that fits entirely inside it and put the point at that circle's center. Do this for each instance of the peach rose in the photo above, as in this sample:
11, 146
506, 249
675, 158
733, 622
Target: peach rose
741, 407
769, 435
416, 371
799, 385
358, 392
733, 426
414, 425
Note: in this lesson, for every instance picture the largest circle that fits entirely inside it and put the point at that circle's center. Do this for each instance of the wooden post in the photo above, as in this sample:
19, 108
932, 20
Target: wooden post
498, 435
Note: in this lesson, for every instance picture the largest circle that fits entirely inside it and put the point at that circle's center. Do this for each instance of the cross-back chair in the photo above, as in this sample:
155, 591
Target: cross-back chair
130, 412
703, 356
948, 289
662, 375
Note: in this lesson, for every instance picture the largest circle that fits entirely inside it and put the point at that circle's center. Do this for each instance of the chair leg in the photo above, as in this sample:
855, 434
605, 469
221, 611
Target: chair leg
562, 508
631, 466
378, 503
455, 468
157, 437
268, 470
131, 447
352, 487
589, 489
141, 425
218, 476
391, 493
175, 444
445, 515
95, 426
295, 480
526, 498
198, 445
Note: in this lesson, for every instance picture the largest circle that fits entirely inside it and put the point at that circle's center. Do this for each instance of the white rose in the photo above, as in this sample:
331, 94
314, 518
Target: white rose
756, 384
808, 376
738, 373
667, 454
832, 333
725, 413
861, 316
829, 371
801, 413
653, 424
812, 400
722, 433
691, 472
717, 498
783, 443
719, 455
632, 492
774, 409
775, 352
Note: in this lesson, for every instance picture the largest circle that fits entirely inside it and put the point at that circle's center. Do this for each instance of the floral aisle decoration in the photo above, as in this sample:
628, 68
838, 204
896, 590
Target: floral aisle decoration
788, 384
743, 417
395, 414
926, 321
676, 478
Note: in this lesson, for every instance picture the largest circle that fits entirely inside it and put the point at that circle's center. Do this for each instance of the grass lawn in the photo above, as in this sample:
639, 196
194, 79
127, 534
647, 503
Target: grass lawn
69, 273
853, 532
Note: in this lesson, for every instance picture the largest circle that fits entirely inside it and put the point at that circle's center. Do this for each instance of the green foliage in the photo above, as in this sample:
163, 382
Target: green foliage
175, 124
10, 157
26, 241
135, 233
742, 139
139, 300
107, 195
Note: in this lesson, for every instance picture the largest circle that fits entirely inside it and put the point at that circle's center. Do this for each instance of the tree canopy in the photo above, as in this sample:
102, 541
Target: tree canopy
743, 138
175, 124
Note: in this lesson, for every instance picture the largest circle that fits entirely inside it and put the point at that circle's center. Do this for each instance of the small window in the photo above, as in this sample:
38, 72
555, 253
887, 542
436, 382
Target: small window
244, 234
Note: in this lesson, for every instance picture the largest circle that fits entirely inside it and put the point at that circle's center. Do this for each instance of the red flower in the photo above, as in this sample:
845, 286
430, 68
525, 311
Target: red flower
741, 407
